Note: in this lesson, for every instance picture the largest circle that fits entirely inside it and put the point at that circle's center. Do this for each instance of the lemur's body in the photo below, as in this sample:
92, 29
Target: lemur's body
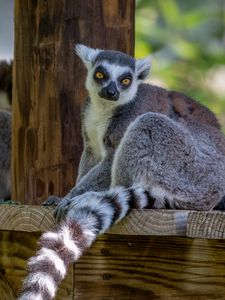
5, 154
144, 147
5, 129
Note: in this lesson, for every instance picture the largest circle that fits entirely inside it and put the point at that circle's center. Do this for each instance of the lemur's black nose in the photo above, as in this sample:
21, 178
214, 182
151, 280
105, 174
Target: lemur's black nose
110, 92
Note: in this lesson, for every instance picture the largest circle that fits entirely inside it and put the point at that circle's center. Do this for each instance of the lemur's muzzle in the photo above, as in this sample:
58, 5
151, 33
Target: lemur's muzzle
110, 92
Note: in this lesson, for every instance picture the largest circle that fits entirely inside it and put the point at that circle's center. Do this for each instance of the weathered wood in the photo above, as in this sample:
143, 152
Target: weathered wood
15, 249
134, 260
153, 222
7, 292
206, 224
49, 86
26, 218
127, 267
139, 222
144, 267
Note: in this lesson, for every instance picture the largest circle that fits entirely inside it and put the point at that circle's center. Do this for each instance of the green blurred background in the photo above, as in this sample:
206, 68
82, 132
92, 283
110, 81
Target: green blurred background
187, 42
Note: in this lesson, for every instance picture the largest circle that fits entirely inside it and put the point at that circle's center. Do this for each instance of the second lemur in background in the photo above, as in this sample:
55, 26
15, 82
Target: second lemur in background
6, 82
144, 147
5, 154
5, 128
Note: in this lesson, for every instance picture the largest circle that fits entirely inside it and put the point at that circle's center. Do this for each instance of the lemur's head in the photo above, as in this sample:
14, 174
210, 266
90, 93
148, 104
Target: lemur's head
112, 75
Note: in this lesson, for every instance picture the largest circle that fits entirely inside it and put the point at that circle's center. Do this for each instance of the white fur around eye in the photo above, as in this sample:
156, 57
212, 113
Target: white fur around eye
114, 71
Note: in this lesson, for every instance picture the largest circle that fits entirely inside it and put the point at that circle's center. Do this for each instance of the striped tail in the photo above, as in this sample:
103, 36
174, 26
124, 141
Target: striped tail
93, 213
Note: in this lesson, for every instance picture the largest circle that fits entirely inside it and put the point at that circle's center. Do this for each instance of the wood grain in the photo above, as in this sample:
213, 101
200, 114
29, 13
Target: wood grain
208, 224
194, 224
153, 222
15, 249
126, 267
49, 86
26, 218
144, 267
134, 260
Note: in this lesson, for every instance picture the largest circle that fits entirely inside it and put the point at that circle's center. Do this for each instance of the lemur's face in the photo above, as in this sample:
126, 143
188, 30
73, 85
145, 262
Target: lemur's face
112, 82
112, 75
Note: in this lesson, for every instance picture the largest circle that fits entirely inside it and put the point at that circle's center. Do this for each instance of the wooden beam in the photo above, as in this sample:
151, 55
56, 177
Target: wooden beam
125, 267
48, 86
193, 224
150, 253
26, 218
151, 267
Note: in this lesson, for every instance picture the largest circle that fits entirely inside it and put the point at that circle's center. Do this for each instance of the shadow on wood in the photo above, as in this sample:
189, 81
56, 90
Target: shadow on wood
15, 249
147, 267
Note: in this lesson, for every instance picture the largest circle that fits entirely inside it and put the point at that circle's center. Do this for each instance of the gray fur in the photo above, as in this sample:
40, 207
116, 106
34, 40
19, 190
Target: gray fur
163, 141
115, 57
177, 163
5, 153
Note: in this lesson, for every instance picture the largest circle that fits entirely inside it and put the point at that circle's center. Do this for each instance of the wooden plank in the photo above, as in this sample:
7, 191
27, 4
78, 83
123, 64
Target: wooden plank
196, 224
139, 222
135, 260
144, 267
26, 218
15, 249
153, 222
49, 87
126, 267
208, 224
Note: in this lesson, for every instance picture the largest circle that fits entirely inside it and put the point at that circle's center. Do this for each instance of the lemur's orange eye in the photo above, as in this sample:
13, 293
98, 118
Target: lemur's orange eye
99, 75
126, 81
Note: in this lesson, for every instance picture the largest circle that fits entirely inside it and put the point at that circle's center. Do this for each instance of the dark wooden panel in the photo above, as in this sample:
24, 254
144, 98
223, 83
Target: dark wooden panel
143, 267
49, 86
15, 249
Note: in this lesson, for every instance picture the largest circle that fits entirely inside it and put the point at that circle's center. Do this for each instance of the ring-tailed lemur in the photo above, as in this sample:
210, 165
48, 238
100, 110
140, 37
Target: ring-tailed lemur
6, 80
5, 129
144, 147
5, 154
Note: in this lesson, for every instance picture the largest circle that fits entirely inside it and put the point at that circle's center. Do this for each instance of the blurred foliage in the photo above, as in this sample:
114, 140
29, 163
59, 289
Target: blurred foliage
187, 42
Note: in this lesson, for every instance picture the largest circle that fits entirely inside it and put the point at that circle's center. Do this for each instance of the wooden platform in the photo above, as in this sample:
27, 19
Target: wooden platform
152, 254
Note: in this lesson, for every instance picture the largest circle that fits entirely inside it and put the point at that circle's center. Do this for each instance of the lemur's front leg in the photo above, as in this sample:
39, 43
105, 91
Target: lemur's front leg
87, 163
97, 179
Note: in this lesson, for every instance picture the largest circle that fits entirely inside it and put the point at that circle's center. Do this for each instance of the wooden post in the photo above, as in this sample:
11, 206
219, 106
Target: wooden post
49, 86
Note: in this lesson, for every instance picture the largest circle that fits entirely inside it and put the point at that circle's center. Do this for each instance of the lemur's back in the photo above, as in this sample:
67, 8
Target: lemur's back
177, 106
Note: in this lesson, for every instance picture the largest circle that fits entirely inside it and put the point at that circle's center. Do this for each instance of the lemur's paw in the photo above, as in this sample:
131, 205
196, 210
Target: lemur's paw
52, 201
62, 208
68, 205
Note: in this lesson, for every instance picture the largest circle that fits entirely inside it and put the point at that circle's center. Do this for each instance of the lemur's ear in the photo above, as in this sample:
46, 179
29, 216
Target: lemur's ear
86, 54
143, 67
